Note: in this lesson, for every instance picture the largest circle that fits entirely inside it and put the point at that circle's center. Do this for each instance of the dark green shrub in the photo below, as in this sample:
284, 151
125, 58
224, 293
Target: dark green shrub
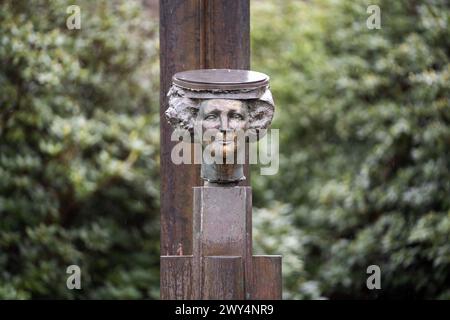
78, 150
365, 139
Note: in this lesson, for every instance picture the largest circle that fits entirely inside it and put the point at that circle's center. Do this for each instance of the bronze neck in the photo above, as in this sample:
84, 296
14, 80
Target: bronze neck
222, 173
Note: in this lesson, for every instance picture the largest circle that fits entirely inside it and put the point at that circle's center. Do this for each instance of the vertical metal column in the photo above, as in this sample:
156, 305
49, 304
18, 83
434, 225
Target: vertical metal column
193, 34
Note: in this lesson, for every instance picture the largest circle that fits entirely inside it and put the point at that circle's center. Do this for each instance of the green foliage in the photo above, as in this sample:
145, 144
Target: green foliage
78, 150
364, 165
365, 139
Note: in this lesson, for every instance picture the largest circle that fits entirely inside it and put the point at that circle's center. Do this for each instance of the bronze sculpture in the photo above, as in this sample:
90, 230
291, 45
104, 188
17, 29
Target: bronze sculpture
218, 106
222, 110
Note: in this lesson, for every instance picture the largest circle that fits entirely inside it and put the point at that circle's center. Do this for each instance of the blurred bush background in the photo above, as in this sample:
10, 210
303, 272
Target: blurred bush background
79, 150
364, 118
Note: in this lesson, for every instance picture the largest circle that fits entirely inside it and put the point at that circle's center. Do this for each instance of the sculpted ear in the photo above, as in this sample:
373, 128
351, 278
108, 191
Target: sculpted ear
182, 112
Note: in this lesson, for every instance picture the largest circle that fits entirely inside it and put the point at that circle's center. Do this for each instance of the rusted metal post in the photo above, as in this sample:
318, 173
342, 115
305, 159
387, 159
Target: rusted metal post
222, 110
193, 34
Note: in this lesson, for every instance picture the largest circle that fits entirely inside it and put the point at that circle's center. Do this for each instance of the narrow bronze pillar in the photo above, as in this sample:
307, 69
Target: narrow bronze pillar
223, 227
221, 110
194, 34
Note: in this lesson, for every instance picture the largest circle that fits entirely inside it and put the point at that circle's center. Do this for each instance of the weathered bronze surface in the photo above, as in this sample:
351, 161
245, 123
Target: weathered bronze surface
211, 109
176, 278
220, 79
208, 254
222, 265
194, 34
223, 226
223, 278
266, 278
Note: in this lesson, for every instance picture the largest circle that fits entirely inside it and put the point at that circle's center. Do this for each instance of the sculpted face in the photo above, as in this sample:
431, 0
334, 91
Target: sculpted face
221, 120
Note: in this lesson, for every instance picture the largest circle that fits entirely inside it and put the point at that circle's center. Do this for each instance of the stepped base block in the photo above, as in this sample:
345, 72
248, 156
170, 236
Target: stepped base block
176, 278
221, 266
223, 278
267, 278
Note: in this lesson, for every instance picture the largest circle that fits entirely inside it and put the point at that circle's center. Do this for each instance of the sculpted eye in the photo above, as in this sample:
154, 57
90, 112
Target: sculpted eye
210, 117
237, 116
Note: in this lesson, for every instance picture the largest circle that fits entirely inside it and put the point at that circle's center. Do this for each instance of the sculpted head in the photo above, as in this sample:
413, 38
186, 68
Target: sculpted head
222, 120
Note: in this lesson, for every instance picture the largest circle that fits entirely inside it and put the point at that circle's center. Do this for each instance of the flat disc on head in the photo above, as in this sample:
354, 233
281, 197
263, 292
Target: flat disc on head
220, 79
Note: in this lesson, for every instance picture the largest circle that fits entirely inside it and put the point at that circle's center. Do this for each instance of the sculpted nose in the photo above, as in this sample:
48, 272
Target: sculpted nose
224, 123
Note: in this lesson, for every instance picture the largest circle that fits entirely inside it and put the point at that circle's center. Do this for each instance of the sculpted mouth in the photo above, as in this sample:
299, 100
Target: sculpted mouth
224, 141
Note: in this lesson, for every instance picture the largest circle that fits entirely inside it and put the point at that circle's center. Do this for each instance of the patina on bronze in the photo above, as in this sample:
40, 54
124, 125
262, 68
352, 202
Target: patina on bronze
225, 101
220, 79
222, 264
